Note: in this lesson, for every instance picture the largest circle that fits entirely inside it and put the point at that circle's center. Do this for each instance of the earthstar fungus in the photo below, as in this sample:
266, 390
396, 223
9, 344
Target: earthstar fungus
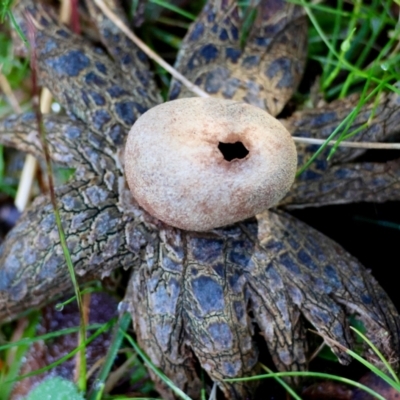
203, 163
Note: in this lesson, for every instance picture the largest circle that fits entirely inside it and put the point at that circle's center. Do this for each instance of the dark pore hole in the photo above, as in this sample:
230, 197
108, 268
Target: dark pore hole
230, 151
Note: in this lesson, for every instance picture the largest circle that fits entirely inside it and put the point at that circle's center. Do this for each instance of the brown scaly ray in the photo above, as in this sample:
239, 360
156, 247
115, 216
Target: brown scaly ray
194, 297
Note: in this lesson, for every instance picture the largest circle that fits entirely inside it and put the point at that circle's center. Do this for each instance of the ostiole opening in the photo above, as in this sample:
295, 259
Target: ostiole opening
232, 151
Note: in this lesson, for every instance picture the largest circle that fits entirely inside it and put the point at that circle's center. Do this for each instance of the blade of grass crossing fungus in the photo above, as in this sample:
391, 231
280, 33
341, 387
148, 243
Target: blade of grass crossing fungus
163, 377
288, 389
67, 255
378, 353
119, 331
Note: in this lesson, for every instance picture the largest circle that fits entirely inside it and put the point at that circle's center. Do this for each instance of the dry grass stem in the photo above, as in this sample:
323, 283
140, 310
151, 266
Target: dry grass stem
86, 312
25, 184
65, 11
30, 166
97, 365
29, 169
355, 145
316, 351
327, 339
150, 53
114, 377
17, 335
6, 88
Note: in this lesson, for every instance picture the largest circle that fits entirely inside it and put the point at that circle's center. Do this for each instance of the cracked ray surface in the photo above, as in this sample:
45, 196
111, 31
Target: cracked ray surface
196, 298
263, 73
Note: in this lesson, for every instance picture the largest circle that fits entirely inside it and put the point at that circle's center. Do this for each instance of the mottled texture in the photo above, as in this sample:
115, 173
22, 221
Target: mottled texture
276, 266
195, 298
265, 72
178, 171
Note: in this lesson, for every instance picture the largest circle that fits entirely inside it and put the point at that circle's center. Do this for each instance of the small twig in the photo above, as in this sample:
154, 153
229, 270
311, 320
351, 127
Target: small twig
95, 367
355, 145
65, 11
6, 88
100, 362
316, 352
85, 314
150, 53
30, 166
116, 375
17, 335
327, 340
25, 183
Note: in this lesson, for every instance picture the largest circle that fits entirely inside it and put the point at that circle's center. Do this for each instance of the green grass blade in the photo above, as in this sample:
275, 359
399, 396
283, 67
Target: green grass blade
20, 352
166, 37
377, 352
119, 332
346, 123
50, 177
83, 345
386, 224
174, 8
345, 64
162, 376
335, 35
51, 335
288, 389
311, 375
374, 369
